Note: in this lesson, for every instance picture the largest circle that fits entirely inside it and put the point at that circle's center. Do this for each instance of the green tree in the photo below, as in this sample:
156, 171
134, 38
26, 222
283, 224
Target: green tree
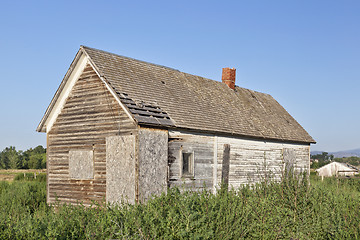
10, 158
31, 158
37, 161
3, 161
35, 158
323, 159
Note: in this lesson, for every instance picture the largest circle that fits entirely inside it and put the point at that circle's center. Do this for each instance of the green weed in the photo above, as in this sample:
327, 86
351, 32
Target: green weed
289, 209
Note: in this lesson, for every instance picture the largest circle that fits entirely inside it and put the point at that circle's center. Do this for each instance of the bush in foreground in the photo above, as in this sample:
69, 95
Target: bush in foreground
290, 209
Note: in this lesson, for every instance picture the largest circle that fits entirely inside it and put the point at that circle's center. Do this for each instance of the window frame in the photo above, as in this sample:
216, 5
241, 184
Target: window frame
191, 163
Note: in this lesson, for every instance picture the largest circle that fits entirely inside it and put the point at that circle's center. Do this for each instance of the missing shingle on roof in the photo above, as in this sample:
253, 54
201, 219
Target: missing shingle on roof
145, 112
144, 115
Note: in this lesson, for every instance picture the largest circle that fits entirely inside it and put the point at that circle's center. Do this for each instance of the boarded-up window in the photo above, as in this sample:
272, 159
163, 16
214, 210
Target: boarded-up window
289, 159
226, 165
187, 164
81, 164
120, 169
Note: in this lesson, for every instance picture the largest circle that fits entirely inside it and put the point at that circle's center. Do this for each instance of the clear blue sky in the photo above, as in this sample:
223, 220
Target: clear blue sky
306, 54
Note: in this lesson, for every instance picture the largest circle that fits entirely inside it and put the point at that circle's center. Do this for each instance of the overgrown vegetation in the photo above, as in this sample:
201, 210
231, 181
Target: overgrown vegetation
35, 158
292, 209
30, 177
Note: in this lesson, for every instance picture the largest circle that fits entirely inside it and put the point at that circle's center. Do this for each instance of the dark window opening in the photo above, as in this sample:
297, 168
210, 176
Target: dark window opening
187, 164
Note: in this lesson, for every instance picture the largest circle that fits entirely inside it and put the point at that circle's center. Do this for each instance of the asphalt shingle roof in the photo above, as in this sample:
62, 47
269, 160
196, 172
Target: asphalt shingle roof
164, 96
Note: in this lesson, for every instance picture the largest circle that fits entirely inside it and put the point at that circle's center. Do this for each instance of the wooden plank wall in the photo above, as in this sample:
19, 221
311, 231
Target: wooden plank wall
203, 148
90, 114
252, 161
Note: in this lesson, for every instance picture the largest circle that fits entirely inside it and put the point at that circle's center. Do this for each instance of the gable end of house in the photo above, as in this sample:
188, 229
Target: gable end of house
76, 69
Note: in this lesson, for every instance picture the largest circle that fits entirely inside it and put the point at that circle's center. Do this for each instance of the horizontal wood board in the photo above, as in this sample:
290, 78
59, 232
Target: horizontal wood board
252, 161
90, 114
202, 146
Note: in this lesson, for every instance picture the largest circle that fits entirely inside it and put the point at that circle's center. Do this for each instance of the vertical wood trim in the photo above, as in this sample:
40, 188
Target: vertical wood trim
226, 165
215, 166
181, 161
282, 159
136, 157
93, 160
47, 169
308, 171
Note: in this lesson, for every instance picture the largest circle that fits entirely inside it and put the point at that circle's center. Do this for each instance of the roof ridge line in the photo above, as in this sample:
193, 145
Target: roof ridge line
158, 65
122, 56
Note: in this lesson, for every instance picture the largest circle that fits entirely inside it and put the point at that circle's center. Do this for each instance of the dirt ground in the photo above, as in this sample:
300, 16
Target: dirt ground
9, 174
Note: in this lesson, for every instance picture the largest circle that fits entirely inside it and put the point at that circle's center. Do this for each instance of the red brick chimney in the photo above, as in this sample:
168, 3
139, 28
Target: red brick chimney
228, 77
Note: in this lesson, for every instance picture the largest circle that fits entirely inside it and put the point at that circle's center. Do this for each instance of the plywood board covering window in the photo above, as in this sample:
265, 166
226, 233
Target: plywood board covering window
81, 164
187, 166
289, 156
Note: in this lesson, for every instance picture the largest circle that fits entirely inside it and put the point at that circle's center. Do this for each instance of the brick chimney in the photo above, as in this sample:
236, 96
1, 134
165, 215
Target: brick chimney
228, 77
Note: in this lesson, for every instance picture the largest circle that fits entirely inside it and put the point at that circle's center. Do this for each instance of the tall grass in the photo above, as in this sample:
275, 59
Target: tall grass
292, 208
40, 177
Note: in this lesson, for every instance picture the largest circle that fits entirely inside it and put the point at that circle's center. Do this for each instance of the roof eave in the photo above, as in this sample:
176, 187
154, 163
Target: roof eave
237, 135
42, 125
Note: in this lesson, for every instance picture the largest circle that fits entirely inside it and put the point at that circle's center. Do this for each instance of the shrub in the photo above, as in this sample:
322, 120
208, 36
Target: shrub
40, 177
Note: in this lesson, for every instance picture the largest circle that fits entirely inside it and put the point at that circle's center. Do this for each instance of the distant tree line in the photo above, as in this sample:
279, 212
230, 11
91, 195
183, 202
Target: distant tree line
35, 158
355, 161
319, 160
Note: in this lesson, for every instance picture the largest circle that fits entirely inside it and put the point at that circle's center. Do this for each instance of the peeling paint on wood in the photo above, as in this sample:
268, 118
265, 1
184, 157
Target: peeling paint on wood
252, 160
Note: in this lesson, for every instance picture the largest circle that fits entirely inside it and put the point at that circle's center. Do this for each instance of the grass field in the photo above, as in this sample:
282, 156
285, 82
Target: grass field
291, 209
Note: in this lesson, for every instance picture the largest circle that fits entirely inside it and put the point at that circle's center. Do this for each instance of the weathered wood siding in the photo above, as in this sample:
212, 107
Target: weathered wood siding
202, 147
152, 162
246, 161
252, 160
89, 115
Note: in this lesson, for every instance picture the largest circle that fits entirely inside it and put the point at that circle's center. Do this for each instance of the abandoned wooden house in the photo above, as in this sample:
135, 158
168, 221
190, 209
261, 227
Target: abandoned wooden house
119, 128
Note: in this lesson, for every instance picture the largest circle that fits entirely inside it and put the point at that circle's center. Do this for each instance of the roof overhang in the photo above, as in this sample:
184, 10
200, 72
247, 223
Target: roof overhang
57, 102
